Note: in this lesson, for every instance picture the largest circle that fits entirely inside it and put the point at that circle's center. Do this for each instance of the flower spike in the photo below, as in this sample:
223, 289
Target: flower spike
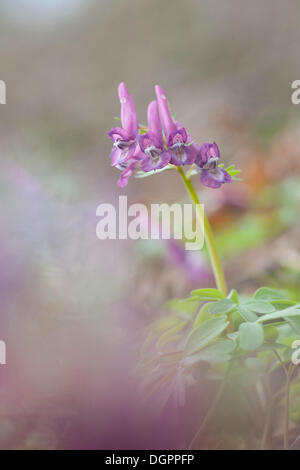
139, 150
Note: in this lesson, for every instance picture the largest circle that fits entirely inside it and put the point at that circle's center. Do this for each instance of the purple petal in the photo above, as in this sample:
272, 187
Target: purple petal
196, 149
204, 153
115, 156
129, 117
125, 175
191, 154
214, 150
177, 136
138, 154
208, 151
117, 133
184, 155
149, 140
164, 112
154, 124
214, 178
148, 164
119, 156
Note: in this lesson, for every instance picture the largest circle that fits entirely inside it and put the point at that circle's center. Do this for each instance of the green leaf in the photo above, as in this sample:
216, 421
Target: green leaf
265, 347
270, 333
222, 306
236, 319
282, 303
247, 314
205, 333
207, 294
234, 173
251, 336
170, 335
233, 295
286, 334
220, 351
231, 170
204, 314
188, 305
259, 306
234, 335
265, 293
294, 324
170, 357
287, 312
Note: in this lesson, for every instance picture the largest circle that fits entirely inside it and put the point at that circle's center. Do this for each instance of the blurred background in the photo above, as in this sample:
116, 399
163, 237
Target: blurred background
74, 309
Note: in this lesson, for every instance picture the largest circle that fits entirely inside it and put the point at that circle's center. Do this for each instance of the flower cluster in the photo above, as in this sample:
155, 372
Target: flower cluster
164, 143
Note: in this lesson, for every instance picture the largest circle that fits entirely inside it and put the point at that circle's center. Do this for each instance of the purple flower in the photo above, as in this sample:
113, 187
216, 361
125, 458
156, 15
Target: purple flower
181, 150
126, 173
155, 155
129, 167
207, 160
124, 138
176, 136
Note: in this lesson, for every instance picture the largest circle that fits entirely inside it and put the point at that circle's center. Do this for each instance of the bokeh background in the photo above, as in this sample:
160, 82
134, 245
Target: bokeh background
73, 309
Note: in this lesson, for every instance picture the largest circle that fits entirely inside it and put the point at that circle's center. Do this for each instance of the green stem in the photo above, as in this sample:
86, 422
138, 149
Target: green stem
208, 234
280, 361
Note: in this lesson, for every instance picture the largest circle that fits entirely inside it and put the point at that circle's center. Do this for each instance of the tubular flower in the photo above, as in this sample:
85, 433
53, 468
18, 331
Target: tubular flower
207, 160
151, 143
124, 138
176, 136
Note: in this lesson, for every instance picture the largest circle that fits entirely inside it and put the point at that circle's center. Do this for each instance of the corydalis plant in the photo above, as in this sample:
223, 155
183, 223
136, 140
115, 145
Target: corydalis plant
239, 346
165, 144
